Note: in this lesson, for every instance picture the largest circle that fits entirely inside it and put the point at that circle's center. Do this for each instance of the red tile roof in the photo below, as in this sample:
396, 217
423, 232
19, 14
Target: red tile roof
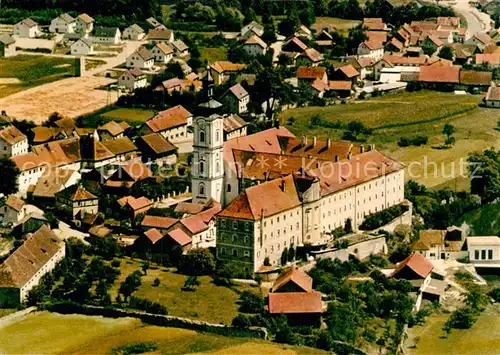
137, 170
396, 43
135, 203
12, 135
158, 143
295, 275
304, 72
158, 222
256, 40
180, 237
168, 119
471, 77
153, 235
295, 302
439, 74
225, 66
255, 202
319, 85
238, 91
233, 122
490, 58
377, 36
339, 85
313, 55
416, 262
120, 146
493, 94
22, 265
400, 60
14, 202
349, 71
194, 224
373, 45
297, 42
113, 128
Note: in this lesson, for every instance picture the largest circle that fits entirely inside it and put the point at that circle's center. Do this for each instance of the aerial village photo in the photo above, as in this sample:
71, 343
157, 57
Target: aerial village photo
250, 177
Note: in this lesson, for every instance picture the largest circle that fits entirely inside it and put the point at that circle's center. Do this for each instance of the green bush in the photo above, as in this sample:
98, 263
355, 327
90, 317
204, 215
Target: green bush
378, 219
250, 302
146, 305
463, 318
197, 262
137, 348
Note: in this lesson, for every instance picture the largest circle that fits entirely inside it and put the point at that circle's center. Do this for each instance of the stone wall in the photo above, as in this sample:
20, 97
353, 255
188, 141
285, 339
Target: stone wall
374, 245
159, 320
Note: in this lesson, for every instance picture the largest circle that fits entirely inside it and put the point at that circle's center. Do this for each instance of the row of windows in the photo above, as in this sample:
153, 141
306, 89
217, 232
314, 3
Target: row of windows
235, 252
482, 253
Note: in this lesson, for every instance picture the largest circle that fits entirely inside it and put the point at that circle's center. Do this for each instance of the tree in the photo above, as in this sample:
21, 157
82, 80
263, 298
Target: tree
485, 174
401, 253
447, 52
145, 267
191, 283
354, 39
284, 256
448, 131
197, 262
241, 321
348, 226
251, 302
130, 285
307, 16
10, 173
429, 48
291, 253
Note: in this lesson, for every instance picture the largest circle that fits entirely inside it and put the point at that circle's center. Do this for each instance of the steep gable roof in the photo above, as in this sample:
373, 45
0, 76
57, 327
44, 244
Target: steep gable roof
295, 303
471, 77
295, 275
179, 237
153, 235
417, 263
157, 143
173, 117
238, 91
76, 193
439, 74
256, 40
158, 222
304, 72
12, 135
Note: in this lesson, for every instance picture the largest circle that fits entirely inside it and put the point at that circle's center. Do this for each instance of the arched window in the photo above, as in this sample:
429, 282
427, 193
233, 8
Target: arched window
202, 136
217, 135
202, 190
235, 252
223, 251
217, 166
202, 167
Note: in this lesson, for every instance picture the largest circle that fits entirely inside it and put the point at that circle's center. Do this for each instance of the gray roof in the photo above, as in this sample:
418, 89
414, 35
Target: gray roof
144, 53
7, 39
105, 31
136, 28
67, 18
179, 45
29, 22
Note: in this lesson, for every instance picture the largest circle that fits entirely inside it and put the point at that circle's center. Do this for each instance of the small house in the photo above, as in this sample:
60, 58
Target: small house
12, 142
482, 41
162, 53
134, 33
484, 251
107, 35
124, 178
221, 71
234, 126
27, 28
135, 206
157, 149
416, 269
303, 31
180, 48
236, 99
82, 47
347, 73
306, 75
7, 46
253, 28
112, 130
371, 49
161, 35
173, 124
294, 44
133, 79
311, 57
12, 209
63, 23
84, 24
141, 59
492, 98
255, 46
76, 200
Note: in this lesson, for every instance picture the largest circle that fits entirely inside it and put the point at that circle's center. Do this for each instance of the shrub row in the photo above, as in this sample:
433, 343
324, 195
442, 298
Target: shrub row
417, 141
146, 305
378, 219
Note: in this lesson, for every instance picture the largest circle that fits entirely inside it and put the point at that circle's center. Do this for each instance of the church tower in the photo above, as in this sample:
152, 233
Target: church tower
207, 170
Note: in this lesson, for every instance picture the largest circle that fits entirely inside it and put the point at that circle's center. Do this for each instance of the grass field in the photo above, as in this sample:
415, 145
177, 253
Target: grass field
339, 24
411, 114
131, 115
483, 338
484, 221
6, 311
209, 302
52, 333
213, 54
32, 71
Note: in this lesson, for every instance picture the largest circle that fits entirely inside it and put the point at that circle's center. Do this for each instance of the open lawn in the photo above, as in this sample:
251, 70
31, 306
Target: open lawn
484, 221
213, 54
131, 115
208, 302
483, 338
52, 333
31, 71
410, 114
338, 24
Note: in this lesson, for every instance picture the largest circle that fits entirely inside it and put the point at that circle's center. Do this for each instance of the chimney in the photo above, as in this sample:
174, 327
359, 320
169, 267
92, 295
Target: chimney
87, 147
328, 143
349, 155
282, 186
361, 148
336, 158
314, 141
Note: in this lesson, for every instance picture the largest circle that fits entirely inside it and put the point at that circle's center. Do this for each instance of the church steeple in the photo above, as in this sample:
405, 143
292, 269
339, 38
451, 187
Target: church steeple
209, 106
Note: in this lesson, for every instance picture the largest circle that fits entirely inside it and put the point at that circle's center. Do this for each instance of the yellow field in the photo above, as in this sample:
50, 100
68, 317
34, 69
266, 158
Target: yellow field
52, 333
339, 24
411, 114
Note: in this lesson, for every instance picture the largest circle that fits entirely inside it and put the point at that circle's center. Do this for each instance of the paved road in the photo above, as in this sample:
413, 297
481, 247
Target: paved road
477, 21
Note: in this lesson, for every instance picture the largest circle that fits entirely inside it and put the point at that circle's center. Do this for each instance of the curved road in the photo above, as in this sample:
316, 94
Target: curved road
477, 21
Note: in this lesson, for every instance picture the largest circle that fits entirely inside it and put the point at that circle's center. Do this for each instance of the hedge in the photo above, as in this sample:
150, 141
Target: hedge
378, 219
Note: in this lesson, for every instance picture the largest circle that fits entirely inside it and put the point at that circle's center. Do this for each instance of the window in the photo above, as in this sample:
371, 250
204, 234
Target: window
235, 225
202, 136
228, 187
202, 167
247, 226
223, 251
202, 190
490, 254
483, 254
235, 252
246, 253
217, 135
